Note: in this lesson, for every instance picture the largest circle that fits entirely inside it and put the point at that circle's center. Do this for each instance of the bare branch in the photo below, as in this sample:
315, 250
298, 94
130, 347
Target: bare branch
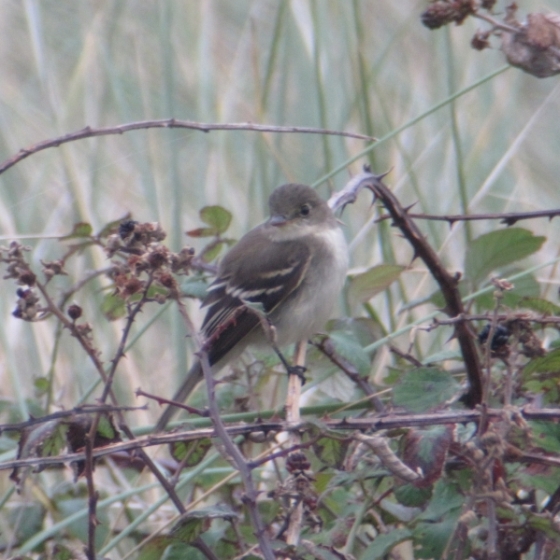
89, 132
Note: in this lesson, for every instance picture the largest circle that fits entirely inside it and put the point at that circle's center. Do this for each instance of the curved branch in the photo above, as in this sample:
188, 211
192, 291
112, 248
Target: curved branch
89, 132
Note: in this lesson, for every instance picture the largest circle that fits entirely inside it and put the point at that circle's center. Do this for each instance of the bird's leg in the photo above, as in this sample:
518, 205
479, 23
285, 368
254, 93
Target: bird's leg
270, 331
292, 370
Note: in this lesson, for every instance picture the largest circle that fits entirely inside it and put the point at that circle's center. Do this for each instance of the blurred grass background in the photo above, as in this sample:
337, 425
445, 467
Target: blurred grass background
360, 66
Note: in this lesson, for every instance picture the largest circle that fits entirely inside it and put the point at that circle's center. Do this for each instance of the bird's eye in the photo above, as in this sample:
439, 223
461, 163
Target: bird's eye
305, 209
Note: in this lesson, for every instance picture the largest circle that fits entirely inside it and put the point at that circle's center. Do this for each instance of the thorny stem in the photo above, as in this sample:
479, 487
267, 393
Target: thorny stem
235, 455
375, 423
122, 423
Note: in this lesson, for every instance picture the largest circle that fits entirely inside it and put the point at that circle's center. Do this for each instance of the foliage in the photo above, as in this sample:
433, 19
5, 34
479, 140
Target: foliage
392, 463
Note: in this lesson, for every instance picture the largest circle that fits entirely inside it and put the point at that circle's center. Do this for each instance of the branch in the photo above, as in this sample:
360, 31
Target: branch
373, 423
327, 348
508, 218
447, 283
83, 409
89, 132
235, 455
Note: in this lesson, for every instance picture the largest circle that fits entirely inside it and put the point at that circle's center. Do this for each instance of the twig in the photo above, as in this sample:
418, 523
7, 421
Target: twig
161, 401
294, 438
93, 496
235, 455
92, 353
488, 317
380, 422
89, 132
84, 409
406, 356
508, 218
447, 283
327, 348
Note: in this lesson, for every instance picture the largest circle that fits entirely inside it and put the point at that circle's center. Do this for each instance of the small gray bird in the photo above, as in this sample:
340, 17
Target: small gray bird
292, 267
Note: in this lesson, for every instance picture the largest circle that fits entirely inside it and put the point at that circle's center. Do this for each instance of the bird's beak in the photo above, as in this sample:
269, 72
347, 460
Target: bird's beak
277, 220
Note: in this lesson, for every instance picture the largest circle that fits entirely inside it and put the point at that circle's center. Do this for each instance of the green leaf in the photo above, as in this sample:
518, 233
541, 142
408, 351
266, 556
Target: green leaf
545, 364
443, 356
411, 496
81, 229
525, 287
113, 307
331, 451
431, 538
42, 385
349, 348
424, 388
545, 525
194, 287
188, 530
446, 498
367, 284
540, 305
496, 249
155, 548
384, 543
546, 435
54, 444
217, 217
191, 452
105, 428
27, 518
113, 226
212, 252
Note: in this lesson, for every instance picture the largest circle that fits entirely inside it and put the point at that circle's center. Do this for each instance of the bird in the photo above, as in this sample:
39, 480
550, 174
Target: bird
290, 269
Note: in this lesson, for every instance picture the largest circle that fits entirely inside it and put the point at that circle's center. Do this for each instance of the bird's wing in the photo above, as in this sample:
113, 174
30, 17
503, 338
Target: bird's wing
251, 276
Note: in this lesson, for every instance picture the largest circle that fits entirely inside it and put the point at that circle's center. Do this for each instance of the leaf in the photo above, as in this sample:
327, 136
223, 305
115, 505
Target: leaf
545, 364
54, 444
202, 232
446, 498
525, 287
545, 525
424, 388
42, 385
190, 453
216, 217
194, 287
208, 255
426, 450
113, 226
155, 548
497, 249
81, 229
431, 539
384, 543
367, 284
411, 496
331, 451
113, 307
105, 428
546, 436
196, 522
540, 305
349, 348
442, 356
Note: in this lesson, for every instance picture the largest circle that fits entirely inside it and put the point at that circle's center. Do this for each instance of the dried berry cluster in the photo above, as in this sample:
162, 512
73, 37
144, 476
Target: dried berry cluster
532, 45
147, 261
